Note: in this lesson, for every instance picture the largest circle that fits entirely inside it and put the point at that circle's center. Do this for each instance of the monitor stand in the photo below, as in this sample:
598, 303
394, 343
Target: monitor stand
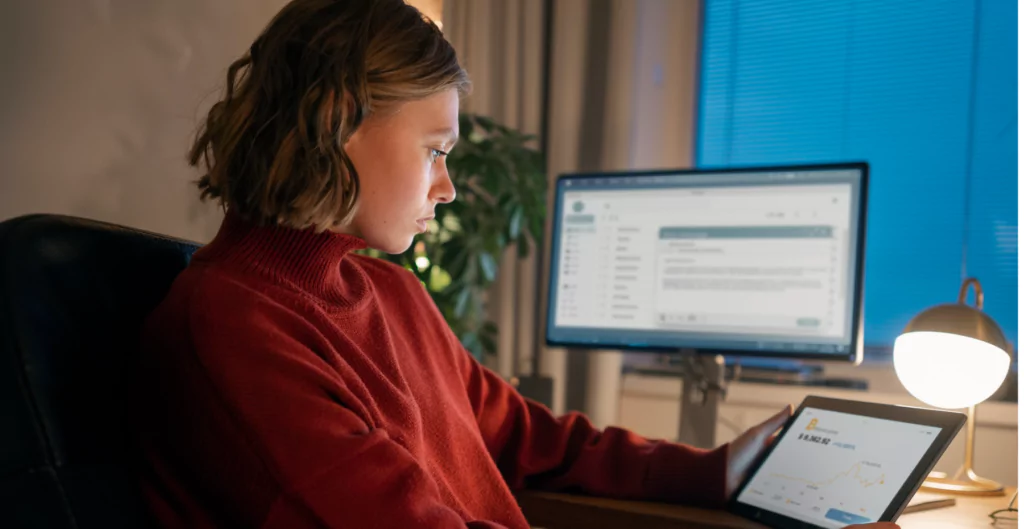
703, 389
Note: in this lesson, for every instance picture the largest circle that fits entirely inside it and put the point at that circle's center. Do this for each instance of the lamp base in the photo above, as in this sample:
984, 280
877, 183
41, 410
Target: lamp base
971, 485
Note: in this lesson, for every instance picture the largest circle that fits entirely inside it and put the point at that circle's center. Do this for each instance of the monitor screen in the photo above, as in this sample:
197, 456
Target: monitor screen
752, 261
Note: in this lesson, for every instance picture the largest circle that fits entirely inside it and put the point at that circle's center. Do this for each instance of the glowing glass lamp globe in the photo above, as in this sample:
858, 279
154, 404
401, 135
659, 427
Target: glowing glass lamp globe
954, 356
951, 356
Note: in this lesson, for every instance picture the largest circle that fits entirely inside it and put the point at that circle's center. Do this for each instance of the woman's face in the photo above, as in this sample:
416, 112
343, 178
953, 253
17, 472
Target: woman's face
399, 156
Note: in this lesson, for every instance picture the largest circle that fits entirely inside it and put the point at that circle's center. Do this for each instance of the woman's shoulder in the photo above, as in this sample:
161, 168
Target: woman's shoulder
205, 296
210, 284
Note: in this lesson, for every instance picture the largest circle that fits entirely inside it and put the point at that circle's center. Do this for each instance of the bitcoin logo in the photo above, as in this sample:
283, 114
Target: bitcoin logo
813, 423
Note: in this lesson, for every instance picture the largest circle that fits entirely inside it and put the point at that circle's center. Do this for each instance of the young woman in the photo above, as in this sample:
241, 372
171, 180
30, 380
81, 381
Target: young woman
290, 383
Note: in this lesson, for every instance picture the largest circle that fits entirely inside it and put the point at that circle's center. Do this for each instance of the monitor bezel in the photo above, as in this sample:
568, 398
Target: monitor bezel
855, 355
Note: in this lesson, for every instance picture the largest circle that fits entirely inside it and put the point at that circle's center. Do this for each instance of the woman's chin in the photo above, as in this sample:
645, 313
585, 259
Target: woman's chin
394, 246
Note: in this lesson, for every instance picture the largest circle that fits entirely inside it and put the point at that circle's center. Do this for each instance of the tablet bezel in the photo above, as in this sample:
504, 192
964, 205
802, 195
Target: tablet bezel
949, 422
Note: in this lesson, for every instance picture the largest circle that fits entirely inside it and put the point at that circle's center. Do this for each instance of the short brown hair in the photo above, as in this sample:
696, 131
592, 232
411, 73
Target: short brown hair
273, 147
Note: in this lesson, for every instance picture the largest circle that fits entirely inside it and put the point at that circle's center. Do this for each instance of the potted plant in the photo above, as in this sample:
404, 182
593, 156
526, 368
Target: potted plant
501, 187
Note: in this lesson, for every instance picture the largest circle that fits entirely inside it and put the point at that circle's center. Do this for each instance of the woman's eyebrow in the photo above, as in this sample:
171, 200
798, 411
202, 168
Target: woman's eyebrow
449, 134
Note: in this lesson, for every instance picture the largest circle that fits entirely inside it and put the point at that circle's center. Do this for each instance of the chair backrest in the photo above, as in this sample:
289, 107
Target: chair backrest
73, 295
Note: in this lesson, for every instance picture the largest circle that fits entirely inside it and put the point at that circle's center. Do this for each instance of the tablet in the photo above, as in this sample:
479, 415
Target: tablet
840, 462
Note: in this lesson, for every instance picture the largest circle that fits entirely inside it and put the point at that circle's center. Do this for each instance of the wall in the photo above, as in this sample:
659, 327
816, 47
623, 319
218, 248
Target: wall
100, 99
433, 9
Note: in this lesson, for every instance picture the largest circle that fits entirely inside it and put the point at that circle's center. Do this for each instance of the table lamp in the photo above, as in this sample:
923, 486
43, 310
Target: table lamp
954, 356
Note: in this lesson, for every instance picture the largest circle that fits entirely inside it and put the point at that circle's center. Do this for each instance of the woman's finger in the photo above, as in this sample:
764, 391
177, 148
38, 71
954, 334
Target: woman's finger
772, 425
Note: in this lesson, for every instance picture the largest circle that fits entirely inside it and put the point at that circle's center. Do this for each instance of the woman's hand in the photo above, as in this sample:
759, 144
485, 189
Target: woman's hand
747, 449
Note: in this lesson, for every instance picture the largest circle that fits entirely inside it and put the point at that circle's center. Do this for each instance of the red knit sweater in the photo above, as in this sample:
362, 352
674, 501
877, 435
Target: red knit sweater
292, 384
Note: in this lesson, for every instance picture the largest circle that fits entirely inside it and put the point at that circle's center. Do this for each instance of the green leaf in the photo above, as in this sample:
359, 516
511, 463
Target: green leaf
462, 302
455, 261
515, 223
486, 123
471, 342
439, 279
489, 266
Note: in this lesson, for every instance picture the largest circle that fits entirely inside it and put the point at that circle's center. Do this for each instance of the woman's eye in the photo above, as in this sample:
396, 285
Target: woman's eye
435, 154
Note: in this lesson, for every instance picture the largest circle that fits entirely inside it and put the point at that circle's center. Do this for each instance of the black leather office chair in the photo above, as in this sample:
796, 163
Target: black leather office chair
73, 294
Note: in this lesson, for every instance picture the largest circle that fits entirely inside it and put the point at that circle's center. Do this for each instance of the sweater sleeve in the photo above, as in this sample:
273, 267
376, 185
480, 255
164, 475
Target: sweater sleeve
371, 481
536, 450
329, 467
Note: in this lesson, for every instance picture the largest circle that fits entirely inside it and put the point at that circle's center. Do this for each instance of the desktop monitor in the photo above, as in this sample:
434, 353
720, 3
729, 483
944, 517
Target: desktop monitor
765, 261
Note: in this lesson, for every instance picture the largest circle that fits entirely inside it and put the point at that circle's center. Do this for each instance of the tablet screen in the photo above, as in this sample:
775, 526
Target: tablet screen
833, 469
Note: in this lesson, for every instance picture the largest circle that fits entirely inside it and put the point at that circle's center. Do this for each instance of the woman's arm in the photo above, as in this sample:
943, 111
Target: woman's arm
536, 450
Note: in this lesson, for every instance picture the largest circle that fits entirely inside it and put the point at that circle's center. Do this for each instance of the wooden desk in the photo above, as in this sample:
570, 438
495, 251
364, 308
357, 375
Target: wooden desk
564, 511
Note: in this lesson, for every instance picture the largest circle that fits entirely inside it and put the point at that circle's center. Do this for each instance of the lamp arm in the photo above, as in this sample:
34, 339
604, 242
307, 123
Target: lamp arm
979, 295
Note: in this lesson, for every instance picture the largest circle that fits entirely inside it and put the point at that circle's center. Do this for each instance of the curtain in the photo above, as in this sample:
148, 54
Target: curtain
620, 95
500, 43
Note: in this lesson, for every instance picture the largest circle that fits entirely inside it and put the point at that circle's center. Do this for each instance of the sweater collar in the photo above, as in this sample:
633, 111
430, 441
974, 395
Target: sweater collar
318, 264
